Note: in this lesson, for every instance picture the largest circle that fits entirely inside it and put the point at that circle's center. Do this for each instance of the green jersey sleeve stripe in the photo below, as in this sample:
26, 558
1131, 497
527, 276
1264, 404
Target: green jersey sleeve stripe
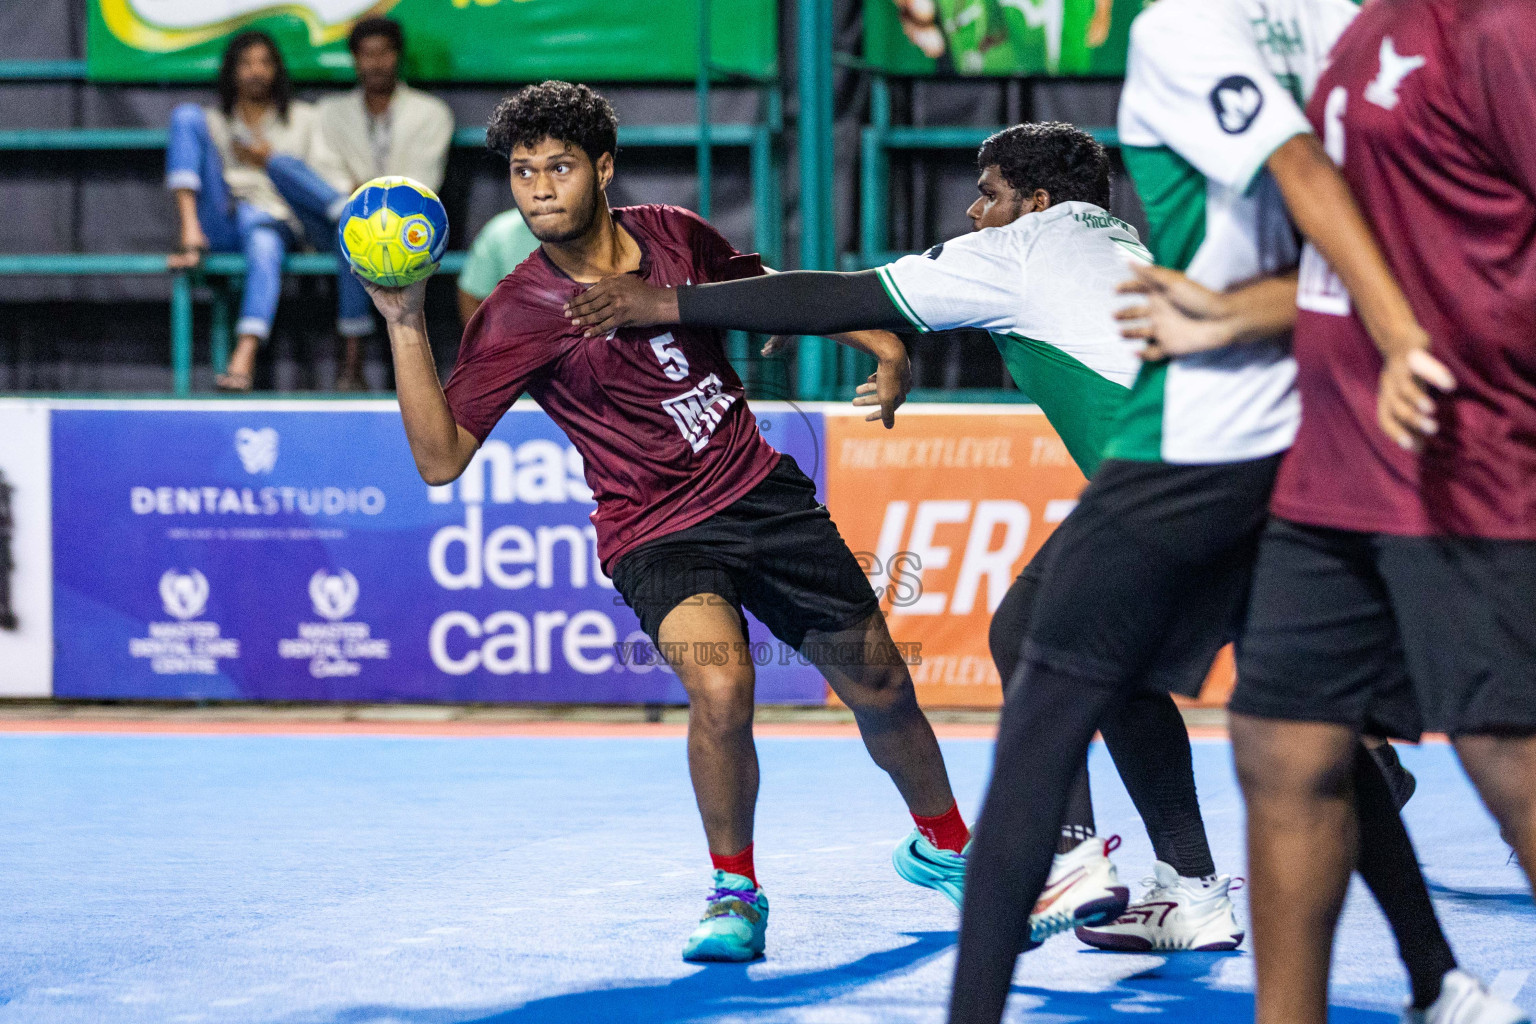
893, 292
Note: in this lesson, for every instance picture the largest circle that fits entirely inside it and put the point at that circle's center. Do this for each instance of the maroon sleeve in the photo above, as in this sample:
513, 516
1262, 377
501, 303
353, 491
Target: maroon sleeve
506, 344
1505, 84
716, 258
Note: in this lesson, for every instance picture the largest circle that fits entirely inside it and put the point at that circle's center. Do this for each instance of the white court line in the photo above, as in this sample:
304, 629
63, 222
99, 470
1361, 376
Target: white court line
1508, 984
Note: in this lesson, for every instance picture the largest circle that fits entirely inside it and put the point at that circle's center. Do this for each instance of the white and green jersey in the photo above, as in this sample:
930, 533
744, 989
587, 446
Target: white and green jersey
1044, 287
1212, 89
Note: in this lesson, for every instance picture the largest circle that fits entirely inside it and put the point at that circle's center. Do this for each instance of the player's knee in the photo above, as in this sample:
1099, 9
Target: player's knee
1274, 763
1517, 821
721, 701
1503, 769
881, 689
1258, 770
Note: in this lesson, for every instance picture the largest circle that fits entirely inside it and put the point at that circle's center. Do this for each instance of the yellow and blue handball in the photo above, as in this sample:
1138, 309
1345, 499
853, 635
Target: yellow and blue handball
393, 231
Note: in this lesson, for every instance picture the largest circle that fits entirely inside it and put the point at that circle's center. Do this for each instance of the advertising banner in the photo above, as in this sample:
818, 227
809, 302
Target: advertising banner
469, 40
26, 571
999, 37
289, 551
947, 508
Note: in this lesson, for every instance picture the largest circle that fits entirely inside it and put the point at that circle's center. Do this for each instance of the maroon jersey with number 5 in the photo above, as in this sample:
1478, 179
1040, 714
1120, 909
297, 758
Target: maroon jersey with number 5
1429, 108
657, 413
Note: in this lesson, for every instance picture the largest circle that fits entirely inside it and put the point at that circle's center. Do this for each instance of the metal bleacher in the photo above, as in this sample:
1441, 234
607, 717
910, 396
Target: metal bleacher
823, 370
218, 270
877, 141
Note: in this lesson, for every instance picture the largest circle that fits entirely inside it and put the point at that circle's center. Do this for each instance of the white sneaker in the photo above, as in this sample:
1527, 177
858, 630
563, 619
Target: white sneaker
1174, 913
1083, 888
1464, 1000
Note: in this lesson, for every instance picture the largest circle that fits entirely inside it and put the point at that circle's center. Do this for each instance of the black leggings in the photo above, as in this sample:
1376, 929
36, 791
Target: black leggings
1015, 836
1049, 717
1010, 852
1145, 735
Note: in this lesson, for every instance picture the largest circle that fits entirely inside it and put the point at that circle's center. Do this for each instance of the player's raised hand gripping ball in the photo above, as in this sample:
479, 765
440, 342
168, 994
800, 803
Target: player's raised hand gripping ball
393, 231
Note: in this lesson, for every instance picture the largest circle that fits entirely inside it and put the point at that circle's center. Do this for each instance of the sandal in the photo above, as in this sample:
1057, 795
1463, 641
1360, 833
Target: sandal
240, 382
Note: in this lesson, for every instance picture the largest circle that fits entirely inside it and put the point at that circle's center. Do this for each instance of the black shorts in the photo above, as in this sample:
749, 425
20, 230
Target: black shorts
1181, 665
774, 551
1149, 575
1391, 634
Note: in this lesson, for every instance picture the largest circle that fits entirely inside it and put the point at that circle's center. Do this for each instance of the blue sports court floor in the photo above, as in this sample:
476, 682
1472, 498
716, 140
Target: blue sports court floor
353, 879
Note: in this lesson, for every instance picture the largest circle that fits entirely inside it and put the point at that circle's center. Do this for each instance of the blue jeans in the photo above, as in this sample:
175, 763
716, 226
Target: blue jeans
318, 205
192, 161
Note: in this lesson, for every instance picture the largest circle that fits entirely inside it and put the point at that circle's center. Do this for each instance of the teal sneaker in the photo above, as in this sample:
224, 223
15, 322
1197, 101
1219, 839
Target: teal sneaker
735, 922
921, 863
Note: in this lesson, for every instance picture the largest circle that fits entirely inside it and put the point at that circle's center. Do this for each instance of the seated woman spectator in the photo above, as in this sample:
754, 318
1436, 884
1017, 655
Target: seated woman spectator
244, 182
382, 127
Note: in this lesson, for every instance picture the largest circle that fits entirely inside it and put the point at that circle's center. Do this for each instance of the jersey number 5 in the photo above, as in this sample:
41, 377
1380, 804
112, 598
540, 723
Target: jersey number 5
673, 363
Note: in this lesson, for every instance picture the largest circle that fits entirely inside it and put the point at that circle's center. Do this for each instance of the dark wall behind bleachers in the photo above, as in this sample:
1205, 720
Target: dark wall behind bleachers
111, 333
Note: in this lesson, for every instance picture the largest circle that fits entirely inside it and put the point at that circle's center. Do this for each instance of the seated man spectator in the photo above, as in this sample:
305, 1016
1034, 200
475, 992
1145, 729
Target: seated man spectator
382, 127
224, 164
501, 245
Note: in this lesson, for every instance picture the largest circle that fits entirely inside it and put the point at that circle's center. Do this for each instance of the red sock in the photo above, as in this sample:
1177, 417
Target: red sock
947, 831
738, 863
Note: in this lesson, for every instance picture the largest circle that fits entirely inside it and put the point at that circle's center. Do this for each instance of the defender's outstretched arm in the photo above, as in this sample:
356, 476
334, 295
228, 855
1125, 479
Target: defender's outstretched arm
851, 309
793, 302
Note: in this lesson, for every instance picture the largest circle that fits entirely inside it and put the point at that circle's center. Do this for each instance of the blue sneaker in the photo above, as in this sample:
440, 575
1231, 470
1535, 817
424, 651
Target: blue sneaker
921, 863
735, 922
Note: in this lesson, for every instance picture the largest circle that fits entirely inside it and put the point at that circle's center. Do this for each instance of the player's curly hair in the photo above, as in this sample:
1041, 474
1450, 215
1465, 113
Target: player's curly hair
573, 114
1062, 159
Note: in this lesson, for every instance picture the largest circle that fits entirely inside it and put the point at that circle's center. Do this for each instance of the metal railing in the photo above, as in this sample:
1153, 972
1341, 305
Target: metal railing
822, 368
703, 136
215, 265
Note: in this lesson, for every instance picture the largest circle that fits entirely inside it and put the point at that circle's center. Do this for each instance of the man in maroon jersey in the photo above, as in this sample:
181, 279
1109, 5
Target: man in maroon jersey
1396, 581
697, 517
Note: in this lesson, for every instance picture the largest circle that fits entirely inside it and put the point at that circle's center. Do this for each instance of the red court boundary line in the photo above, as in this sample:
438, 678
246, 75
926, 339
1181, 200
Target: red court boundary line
472, 730
491, 730
468, 730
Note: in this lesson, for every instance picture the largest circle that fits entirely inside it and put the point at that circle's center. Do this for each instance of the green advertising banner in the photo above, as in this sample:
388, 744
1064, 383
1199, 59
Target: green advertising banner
999, 37
446, 40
